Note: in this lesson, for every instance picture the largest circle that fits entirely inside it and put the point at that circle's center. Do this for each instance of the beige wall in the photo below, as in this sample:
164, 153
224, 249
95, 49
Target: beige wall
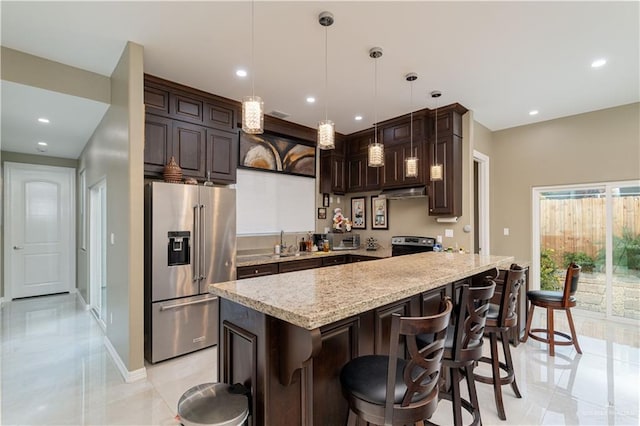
115, 153
30, 70
15, 157
599, 146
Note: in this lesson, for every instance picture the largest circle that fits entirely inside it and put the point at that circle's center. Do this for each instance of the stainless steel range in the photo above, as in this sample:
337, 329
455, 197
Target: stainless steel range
402, 245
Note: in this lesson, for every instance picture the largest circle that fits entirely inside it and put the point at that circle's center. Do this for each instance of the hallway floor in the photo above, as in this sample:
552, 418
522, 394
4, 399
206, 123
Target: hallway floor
55, 370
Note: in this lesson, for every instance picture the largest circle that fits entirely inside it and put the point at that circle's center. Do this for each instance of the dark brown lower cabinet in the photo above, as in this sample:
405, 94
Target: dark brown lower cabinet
300, 265
293, 373
256, 271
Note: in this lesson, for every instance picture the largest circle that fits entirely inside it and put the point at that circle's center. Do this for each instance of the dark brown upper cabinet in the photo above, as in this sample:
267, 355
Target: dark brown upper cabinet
445, 196
158, 137
189, 148
222, 155
196, 128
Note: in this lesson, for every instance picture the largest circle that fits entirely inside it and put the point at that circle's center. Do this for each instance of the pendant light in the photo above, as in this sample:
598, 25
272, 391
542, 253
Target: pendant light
436, 170
376, 150
252, 106
326, 129
411, 162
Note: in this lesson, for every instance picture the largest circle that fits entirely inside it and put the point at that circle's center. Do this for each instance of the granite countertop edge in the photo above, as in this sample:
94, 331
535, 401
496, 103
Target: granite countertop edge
255, 292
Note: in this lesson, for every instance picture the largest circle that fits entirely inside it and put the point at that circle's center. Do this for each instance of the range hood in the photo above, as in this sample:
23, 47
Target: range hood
402, 193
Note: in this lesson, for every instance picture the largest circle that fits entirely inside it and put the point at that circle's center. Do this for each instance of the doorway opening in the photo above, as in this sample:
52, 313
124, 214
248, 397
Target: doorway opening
481, 203
98, 251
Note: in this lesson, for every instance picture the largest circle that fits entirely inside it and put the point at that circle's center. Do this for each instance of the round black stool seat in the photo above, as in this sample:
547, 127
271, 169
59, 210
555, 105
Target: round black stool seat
366, 378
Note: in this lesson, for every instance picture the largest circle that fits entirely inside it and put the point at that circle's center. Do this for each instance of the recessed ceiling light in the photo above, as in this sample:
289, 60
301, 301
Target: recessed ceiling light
311, 99
43, 120
42, 143
533, 112
358, 117
598, 63
241, 73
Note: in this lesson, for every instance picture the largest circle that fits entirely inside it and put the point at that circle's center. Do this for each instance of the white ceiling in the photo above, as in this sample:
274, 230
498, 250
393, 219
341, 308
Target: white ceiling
499, 59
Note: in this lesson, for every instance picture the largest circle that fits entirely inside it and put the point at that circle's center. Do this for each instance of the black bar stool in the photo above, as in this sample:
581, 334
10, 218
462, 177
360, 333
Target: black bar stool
552, 300
463, 347
499, 320
392, 390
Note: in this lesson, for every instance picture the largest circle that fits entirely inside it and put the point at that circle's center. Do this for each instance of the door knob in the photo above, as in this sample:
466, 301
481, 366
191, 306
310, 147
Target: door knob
17, 248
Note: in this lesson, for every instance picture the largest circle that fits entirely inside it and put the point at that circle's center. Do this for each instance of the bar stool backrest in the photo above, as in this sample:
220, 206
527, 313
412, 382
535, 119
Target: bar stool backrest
570, 283
513, 281
472, 316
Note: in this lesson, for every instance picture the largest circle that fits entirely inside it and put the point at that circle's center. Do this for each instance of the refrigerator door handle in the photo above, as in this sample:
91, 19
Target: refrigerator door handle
195, 265
202, 249
195, 302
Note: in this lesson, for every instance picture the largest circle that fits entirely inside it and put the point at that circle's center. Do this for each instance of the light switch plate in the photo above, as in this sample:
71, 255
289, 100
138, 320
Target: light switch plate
506, 231
448, 233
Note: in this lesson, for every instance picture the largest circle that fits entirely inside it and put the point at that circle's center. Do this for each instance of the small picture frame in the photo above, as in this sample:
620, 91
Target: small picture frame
325, 200
379, 213
322, 213
359, 213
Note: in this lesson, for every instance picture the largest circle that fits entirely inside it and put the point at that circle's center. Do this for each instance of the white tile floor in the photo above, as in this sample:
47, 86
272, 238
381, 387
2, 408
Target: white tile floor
55, 371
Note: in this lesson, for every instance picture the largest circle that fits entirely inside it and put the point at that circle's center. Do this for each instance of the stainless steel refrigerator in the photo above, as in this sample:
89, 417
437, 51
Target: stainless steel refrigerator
190, 242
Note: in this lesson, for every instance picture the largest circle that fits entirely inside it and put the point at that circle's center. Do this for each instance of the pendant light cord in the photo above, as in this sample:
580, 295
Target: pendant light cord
326, 74
375, 99
252, 42
435, 145
411, 118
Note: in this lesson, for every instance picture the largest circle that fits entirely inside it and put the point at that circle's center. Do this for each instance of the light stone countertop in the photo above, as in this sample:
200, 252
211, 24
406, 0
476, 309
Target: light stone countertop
316, 297
263, 259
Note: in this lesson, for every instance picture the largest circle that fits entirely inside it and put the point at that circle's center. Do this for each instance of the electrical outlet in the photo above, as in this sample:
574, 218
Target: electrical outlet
439, 239
113, 238
111, 318
448, 233
506, 231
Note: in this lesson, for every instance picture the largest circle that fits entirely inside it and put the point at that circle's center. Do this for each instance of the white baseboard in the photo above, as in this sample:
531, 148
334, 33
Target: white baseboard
128, 376
84, 302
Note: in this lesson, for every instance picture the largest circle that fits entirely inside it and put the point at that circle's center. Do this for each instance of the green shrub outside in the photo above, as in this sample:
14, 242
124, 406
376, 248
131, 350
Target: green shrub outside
581, 258
548, 268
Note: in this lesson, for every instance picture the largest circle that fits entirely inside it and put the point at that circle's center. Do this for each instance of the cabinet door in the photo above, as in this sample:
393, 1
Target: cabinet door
186, 108
334, 260
256, 271
156, 100
390, 172
189, 148
355, 174
222, 156
299, 265
157, 144
219, 116
445, 196
337, 172
332, 173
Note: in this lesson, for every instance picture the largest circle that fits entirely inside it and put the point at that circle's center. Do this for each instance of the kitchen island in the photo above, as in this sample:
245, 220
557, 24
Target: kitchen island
287, 336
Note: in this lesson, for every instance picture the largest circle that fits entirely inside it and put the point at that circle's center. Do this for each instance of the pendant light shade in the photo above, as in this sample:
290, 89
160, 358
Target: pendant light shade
252, 115
436, 171
411, 162
252, 106
326, 134
326, 129
376, 150
376, 155
411, 167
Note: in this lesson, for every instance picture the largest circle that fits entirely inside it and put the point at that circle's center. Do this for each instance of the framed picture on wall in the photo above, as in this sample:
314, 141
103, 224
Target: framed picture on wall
322, 213
379, 213
359, 212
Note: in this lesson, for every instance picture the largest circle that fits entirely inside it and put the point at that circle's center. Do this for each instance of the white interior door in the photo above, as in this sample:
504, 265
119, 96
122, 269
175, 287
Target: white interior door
39, 230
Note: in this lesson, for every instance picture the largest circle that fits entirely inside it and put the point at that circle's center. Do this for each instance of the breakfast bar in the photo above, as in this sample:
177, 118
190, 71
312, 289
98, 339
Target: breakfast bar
287, 336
